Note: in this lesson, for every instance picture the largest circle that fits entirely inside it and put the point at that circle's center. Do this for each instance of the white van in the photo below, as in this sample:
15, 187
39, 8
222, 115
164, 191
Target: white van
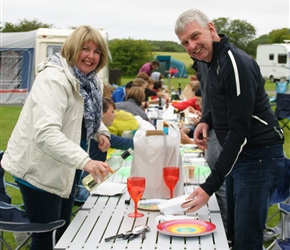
274, 60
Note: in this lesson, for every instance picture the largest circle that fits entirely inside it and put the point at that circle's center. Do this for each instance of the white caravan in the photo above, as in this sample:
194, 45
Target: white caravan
274, 60
22, 52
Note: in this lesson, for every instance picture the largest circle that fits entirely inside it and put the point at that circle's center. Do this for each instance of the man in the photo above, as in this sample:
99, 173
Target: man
237, 108
149, 67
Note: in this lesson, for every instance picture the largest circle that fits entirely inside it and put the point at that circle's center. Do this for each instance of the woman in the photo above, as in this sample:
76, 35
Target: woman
64, 107
133, 103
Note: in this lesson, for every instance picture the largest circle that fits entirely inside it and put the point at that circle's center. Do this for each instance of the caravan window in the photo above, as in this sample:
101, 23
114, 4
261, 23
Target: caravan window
52, 49
282, 58
271, 57
11, 69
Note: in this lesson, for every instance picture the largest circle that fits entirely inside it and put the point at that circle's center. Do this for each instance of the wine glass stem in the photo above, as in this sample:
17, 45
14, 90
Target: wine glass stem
171, 193
135, 207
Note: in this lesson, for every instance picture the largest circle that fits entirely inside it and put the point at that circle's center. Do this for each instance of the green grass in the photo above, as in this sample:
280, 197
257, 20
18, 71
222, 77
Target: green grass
8, 119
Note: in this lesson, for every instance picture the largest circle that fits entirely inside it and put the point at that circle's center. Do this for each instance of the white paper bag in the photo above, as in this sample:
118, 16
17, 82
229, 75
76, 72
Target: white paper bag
151, 154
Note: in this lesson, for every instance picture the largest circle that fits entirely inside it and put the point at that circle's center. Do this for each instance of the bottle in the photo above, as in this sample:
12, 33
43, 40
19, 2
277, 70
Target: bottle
115, 163
179, 89
160, 108
173, 94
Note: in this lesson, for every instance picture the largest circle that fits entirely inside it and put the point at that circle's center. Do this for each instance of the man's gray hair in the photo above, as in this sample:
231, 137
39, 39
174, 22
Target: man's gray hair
190, 16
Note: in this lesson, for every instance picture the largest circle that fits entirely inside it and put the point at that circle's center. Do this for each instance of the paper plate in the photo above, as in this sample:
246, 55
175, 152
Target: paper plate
186, 228
150, 204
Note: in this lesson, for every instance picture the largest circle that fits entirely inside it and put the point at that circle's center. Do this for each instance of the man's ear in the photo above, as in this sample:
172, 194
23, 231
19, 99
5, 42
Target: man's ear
212, 29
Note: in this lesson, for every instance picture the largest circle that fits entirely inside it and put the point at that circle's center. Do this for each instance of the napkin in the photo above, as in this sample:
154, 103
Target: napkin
175, 217
108, 188
173, 206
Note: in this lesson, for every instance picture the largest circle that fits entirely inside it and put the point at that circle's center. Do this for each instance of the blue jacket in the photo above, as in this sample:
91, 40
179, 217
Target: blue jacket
236, 105
119, 94
117, 142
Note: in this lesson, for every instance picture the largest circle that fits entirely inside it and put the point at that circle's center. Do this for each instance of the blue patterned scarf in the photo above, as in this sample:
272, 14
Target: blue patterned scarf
90, 91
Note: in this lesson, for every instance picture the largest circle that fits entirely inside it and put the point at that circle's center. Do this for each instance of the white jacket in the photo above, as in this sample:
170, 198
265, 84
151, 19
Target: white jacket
44, 148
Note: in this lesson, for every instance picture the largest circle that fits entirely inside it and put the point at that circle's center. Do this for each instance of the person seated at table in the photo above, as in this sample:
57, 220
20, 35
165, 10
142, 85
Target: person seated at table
119, 94
191, 87
143, 76
194, 83
194, 103
156, 76
194, 114
108, 90
133, 102
150, 94
140, 82
158, 88
117, 142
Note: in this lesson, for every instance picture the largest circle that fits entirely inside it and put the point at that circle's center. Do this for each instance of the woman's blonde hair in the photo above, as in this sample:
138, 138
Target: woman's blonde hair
73, 45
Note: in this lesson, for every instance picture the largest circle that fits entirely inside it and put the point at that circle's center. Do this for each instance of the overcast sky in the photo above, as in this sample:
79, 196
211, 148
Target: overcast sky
149, 19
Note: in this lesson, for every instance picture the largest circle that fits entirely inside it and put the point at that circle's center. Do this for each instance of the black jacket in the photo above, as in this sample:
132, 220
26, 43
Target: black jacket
236, 106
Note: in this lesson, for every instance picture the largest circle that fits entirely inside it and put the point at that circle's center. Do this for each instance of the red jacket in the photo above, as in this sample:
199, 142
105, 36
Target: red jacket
185, 104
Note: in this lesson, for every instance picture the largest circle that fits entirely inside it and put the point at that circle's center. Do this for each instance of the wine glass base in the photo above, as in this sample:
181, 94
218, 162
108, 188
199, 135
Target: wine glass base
137, 215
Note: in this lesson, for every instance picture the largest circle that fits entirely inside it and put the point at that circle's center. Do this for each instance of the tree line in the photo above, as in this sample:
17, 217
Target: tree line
129, 54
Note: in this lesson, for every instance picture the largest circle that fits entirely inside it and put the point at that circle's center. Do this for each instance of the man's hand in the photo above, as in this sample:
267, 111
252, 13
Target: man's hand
201, 135
197, 199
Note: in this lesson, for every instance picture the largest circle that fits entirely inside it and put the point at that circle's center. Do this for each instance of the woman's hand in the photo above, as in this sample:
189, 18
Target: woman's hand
97, 168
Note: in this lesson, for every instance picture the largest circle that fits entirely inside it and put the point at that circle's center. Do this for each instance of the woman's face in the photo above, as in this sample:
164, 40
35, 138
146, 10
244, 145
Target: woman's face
89, 58
108, 116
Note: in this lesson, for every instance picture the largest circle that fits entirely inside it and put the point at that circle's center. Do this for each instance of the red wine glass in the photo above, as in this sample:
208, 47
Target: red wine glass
136, 187
171, 176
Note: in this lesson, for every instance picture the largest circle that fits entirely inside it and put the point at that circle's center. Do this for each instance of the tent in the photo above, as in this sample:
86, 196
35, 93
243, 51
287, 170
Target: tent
16, 65
167, 61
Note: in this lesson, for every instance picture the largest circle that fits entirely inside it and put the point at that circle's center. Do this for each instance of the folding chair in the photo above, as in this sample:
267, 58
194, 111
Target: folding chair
282, 111
280, 235
281, 87
13, 219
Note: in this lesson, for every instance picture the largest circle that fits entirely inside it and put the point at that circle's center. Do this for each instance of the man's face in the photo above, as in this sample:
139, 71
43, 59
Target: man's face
197, 40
